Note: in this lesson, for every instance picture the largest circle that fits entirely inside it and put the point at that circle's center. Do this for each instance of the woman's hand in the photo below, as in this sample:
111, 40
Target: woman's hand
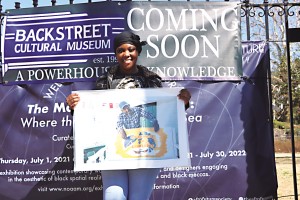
72, 100
185, 96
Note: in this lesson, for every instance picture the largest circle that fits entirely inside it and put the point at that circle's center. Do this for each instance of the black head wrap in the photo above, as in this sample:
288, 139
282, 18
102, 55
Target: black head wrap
128, 38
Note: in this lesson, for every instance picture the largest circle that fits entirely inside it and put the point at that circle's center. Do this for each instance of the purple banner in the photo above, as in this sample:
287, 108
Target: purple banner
230, 136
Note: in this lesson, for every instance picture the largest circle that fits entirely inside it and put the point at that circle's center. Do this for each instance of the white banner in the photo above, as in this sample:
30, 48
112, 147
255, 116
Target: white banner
127, 129
186, 40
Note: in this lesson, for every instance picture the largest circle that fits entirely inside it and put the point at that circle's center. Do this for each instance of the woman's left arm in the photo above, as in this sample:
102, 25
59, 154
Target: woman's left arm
185, 96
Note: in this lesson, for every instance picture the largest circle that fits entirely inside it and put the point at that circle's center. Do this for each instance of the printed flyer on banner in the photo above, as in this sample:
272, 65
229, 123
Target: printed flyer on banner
128, 129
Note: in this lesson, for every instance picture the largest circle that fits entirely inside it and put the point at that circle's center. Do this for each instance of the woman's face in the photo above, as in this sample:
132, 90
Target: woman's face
127, 56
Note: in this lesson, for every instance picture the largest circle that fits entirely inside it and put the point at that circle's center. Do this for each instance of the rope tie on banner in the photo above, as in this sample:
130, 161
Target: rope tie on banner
35, 3
247, 79
17, 5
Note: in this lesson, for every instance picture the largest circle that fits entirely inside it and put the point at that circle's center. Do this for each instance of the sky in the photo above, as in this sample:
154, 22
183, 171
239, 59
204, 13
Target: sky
10, 4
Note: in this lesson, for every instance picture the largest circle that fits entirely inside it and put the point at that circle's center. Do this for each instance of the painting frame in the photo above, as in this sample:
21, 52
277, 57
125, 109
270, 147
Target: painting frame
105, 138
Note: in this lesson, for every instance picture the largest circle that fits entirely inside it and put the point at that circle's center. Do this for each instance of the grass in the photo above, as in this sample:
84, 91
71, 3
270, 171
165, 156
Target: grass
284, 145
282, 137
286, 126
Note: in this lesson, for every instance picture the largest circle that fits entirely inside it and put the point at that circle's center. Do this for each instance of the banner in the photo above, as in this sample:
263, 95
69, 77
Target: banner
186, 40
129, 129
229, 132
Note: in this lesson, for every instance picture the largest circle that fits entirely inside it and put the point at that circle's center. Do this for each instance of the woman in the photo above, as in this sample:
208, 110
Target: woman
134, 184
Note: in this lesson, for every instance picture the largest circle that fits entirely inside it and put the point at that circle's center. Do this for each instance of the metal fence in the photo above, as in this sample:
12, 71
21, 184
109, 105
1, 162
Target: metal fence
257, 23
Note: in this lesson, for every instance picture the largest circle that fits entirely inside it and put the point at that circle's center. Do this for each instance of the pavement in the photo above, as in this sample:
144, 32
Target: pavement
286, 155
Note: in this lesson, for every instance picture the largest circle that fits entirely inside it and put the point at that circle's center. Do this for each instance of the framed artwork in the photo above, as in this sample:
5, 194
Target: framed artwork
130, 128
